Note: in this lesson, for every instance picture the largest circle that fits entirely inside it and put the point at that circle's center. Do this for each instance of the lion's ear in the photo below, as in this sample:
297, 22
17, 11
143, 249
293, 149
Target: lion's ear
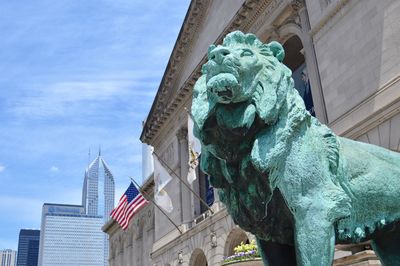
277, 50
210, 48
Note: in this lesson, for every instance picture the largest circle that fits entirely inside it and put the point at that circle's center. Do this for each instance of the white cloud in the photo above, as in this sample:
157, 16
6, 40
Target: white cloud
81, 95
2, 168
54, 169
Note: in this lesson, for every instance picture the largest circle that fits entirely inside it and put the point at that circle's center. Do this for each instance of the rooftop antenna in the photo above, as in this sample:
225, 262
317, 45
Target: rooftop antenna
99, 150
88, 159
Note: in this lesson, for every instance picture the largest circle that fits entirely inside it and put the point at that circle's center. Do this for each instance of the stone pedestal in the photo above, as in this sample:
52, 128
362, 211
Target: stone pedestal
254, 262
363, 258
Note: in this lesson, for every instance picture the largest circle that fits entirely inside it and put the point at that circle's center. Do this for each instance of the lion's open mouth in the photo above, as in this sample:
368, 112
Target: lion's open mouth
223, 86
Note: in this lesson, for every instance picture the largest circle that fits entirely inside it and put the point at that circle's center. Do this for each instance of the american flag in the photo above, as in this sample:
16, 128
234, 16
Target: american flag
129, 204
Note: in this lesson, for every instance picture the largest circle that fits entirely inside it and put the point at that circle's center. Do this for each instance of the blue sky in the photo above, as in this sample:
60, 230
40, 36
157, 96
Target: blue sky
74, 75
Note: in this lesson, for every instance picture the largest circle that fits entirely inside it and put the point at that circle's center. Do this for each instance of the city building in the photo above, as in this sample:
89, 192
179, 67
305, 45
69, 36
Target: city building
345, 59
70, 237
71, 234
98, 193
8, 257
28, 247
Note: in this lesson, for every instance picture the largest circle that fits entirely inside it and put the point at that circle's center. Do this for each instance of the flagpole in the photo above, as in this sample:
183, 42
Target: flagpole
183, 182
148, 197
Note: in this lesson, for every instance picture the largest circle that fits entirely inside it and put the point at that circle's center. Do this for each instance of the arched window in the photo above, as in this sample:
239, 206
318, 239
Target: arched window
198, 258
234, 239
294, 59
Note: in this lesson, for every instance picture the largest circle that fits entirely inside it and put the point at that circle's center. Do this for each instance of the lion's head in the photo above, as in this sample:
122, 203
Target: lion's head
243, 70
243, 81
234, 68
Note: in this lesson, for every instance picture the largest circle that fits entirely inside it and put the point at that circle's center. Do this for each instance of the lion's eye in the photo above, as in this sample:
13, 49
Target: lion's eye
246, 53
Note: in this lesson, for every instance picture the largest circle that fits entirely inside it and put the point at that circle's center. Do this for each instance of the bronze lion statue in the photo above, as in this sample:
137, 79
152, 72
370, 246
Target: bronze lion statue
282, 175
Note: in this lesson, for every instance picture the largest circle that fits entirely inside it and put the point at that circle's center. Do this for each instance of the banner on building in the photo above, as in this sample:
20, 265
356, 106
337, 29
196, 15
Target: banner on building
194, 152
161, 179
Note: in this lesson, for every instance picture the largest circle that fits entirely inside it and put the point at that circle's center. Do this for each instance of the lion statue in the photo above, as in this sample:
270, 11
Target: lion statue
282, 175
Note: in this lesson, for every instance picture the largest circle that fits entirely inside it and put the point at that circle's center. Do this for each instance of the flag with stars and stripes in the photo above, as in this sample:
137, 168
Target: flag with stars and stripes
129, 204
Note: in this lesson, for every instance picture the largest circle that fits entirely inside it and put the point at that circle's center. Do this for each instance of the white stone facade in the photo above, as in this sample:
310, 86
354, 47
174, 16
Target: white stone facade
351, 50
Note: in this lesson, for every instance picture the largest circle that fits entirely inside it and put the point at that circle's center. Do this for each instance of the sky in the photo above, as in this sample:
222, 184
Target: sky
75, 76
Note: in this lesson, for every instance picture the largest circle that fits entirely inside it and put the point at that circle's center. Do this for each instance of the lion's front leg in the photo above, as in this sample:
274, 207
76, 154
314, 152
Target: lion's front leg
314, 240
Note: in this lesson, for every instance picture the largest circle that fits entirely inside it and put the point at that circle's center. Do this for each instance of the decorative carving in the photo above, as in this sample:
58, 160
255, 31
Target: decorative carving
182, 134
282, 175
297, 4
262, 18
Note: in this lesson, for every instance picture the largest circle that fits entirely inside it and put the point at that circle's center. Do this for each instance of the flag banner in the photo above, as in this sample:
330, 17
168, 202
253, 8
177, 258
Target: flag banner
129, 204
194, 152
161, 179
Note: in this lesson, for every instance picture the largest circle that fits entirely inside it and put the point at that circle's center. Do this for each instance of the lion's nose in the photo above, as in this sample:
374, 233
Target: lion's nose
218, 54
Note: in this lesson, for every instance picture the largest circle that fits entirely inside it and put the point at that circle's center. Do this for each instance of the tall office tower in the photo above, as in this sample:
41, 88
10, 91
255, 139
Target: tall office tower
28, 247
8, 257
70, 237
98, 193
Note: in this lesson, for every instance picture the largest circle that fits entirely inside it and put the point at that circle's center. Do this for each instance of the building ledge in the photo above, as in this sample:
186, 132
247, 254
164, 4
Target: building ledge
108, 225
366, 257
174, 238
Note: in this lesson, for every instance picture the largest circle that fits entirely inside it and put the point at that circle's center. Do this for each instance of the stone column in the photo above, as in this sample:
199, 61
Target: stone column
185, 195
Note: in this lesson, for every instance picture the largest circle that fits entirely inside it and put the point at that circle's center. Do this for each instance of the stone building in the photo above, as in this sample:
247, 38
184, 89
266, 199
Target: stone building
345, 58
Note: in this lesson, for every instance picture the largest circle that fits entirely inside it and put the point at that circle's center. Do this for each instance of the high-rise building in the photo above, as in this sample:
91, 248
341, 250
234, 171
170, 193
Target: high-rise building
8, 257
70, 237
98, 193
28, 247
98, 189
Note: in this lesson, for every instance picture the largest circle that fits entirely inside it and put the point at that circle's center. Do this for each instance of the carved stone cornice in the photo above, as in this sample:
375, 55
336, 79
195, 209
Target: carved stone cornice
167, 99
161, 107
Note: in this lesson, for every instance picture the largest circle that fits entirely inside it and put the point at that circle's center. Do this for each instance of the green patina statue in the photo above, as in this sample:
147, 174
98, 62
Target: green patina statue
282, 175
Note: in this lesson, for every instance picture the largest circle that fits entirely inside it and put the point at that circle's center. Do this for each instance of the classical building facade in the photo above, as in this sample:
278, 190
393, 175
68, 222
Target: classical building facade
28, 247
344, 55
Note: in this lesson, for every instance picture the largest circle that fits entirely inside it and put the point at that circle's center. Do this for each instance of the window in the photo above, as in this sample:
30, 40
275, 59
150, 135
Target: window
205, 191
295, 60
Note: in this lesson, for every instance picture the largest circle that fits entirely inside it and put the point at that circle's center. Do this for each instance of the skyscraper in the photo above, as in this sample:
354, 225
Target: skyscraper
28, 247
70, 237
8, 257
98, 193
